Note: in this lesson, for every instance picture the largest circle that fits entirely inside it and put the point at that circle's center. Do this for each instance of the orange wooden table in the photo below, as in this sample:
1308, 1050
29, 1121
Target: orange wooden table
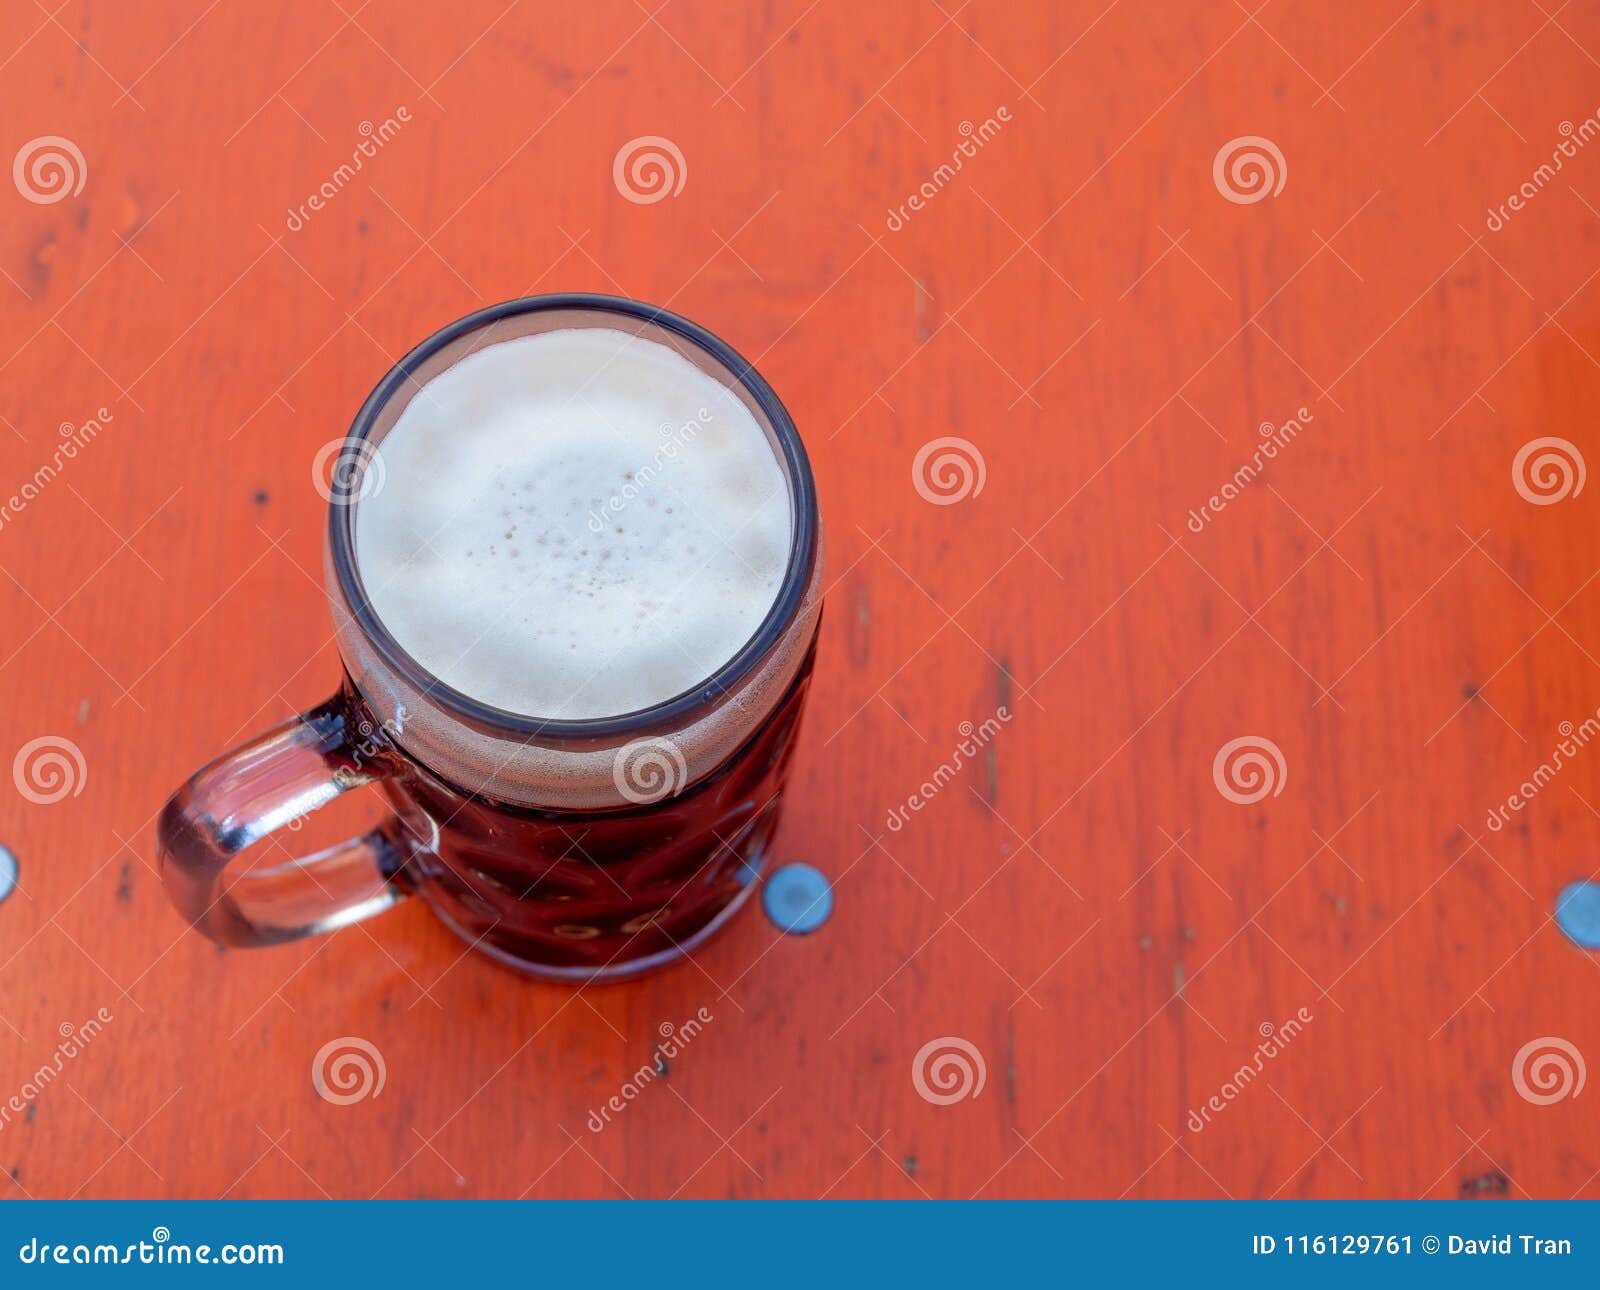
1115, 320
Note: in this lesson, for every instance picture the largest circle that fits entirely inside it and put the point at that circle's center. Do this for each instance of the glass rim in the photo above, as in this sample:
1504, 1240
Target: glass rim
657, 717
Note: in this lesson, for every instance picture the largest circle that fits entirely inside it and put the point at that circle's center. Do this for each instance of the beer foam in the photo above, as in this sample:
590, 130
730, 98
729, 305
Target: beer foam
574, 524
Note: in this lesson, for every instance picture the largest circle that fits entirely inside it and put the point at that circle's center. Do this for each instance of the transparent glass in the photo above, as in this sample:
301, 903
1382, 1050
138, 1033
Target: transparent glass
567, 849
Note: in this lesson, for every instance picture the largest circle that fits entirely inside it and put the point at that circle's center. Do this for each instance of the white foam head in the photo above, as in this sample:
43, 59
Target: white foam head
574, 524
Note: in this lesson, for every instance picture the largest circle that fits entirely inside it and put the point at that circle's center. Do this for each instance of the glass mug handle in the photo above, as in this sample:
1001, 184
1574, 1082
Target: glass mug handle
255, 790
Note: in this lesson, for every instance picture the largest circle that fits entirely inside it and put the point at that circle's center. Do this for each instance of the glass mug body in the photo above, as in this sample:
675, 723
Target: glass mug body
574, 850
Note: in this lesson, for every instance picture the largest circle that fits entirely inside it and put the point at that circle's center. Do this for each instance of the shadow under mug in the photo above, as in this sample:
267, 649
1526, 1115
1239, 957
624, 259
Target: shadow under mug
573, 850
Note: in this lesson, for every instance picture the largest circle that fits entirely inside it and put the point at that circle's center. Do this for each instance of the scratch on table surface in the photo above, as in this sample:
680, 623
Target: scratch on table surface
1003, 683
129, 216
1011, 1062
860, 626
991, 759
44, 251
1493, 1183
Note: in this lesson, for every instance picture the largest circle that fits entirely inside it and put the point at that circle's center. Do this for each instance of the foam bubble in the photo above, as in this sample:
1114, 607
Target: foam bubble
575, 524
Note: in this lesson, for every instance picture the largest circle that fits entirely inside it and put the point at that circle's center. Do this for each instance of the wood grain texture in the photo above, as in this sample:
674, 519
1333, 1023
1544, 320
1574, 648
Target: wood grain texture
1082, 304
